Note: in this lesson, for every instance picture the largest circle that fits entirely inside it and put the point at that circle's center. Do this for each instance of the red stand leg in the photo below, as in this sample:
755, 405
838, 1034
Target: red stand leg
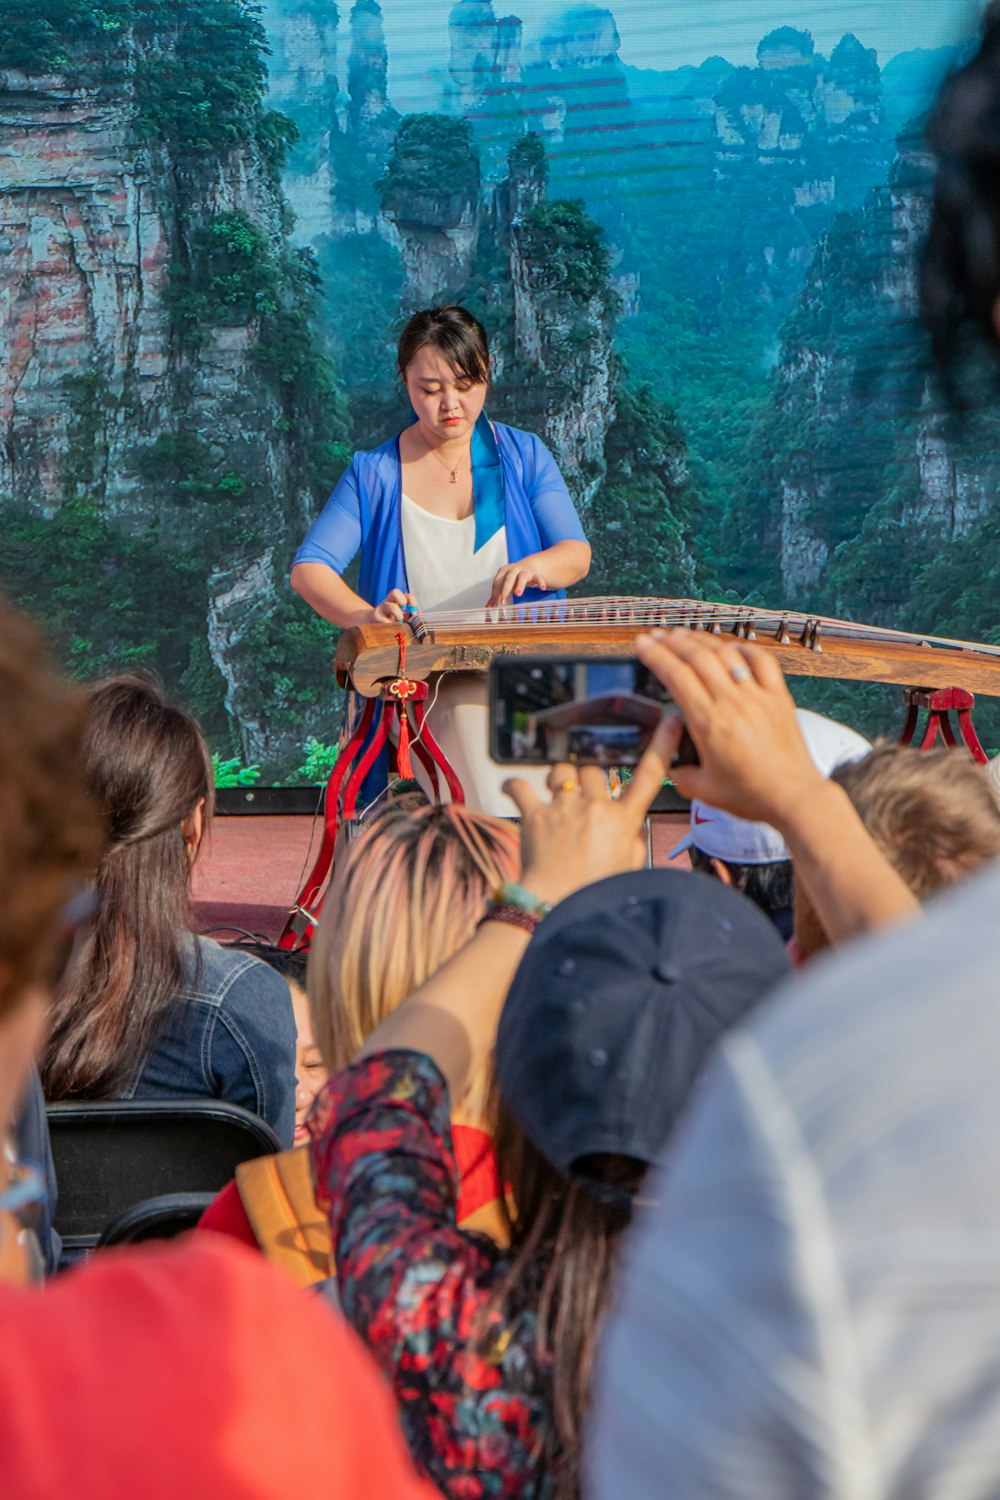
940, 703
345, 783
428, 748
302, 917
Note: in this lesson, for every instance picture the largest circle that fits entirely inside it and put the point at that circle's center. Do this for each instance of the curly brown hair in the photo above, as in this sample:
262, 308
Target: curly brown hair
51, 829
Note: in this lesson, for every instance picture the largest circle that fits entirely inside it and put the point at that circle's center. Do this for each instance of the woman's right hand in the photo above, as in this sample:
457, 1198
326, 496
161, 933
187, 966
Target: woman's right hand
390, 611
753, 760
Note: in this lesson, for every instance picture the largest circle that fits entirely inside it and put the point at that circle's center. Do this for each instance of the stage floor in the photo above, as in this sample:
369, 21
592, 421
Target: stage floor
251, 869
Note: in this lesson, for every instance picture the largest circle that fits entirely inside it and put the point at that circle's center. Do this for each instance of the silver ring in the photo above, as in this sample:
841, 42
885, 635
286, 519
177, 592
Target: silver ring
740, 672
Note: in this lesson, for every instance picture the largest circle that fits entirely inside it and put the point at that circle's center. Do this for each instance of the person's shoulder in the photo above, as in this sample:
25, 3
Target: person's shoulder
525, 450
380, 458
227, 1342
517, 439
880, 998
220, 971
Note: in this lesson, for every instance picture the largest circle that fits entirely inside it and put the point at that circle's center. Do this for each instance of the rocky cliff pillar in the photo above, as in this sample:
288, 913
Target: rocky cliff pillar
431, 205
473, 64
368, 67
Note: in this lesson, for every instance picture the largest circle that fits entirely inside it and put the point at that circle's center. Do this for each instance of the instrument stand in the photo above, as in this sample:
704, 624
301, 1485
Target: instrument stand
940, 703
401, 704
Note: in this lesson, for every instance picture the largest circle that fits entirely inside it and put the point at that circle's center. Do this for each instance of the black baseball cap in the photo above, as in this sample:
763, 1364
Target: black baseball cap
622, 994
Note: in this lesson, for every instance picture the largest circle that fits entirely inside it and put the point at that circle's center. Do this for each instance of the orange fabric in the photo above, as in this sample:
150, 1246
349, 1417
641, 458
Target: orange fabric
197, 1371
478, 1189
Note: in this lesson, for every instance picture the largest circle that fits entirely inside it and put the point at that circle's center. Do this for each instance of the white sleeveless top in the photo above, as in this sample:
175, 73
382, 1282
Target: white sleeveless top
442, 566
446, 572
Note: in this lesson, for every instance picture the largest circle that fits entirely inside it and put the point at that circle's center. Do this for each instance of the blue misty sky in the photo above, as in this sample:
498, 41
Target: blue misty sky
668, 33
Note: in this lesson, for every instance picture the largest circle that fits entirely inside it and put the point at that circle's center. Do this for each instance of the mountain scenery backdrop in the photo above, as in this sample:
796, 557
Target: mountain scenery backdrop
694, 247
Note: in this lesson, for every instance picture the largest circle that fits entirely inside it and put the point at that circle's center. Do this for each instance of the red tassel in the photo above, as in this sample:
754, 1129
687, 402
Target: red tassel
403, 761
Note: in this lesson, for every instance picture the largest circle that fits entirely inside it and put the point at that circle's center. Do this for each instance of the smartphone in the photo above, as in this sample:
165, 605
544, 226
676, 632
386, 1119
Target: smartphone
600, 710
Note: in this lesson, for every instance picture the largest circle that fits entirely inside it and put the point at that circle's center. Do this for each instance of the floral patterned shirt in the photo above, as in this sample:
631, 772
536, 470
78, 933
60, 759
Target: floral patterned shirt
418, 1290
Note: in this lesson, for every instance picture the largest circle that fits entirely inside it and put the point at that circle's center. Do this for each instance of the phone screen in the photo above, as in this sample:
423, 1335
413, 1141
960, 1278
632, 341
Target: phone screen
601, 710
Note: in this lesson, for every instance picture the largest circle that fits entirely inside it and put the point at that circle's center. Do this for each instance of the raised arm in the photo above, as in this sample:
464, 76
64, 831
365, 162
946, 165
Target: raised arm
755, 764
576, 838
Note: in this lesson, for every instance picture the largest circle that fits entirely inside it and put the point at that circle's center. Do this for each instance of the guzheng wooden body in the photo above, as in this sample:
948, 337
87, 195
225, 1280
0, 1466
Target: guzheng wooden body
368, 656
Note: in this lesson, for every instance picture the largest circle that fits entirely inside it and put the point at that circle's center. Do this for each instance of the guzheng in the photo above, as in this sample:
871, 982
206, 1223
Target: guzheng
391, 667
368, 656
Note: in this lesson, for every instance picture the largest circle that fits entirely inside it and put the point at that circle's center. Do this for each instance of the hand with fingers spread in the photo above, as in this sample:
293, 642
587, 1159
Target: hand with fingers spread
581, 835
753, 761
391, 610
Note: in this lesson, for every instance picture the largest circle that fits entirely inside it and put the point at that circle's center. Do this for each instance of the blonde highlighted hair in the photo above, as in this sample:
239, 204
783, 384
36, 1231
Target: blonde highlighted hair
404, 899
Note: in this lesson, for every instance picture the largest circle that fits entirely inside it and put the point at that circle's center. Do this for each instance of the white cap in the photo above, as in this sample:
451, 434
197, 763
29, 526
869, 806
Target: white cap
738, 842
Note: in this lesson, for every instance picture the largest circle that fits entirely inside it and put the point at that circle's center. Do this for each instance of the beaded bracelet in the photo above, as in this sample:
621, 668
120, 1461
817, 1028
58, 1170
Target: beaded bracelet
514, 916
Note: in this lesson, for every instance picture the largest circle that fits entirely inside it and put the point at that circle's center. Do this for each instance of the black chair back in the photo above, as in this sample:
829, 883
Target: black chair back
155, 1219
112, 1154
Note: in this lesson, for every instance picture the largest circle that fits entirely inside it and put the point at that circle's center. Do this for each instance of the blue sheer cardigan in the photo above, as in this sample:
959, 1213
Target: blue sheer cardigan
515, 483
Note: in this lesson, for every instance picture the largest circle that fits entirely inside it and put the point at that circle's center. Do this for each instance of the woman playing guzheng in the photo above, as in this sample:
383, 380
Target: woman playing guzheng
455, 512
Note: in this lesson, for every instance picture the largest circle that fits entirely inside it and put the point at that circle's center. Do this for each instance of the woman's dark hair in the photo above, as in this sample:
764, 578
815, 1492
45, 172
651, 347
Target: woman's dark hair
564, 1243
769, 886
148, 767
960, 269
455, 333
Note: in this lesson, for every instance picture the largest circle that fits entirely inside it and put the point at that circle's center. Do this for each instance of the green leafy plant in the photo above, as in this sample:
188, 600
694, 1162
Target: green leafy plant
424, 144
319, 760
566, 250
233, 773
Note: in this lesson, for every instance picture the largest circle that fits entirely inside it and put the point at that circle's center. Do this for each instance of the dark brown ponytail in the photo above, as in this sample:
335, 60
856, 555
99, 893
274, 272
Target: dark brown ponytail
148, 767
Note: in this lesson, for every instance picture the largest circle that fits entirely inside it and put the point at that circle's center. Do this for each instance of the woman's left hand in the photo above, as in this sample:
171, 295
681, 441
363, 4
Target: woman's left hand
581, 834
512, 580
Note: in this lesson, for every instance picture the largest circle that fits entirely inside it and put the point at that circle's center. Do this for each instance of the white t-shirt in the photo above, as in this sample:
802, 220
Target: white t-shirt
443, 568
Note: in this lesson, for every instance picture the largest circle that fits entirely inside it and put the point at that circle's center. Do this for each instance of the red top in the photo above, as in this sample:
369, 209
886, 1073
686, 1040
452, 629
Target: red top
196, 1371
477, 1170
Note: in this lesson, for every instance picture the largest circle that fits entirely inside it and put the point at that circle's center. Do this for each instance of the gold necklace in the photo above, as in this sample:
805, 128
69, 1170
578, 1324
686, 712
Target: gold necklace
451, 472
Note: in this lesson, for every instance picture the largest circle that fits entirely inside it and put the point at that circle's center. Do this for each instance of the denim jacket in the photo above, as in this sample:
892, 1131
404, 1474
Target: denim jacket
230, 1034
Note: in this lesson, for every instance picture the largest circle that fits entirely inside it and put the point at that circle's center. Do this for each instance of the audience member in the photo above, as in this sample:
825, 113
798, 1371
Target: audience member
960, 269
152, 1011
809, 1310
310, 1070
618, 1000
32, 1146
931, 812
752, 857
405, 897
193, 1370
